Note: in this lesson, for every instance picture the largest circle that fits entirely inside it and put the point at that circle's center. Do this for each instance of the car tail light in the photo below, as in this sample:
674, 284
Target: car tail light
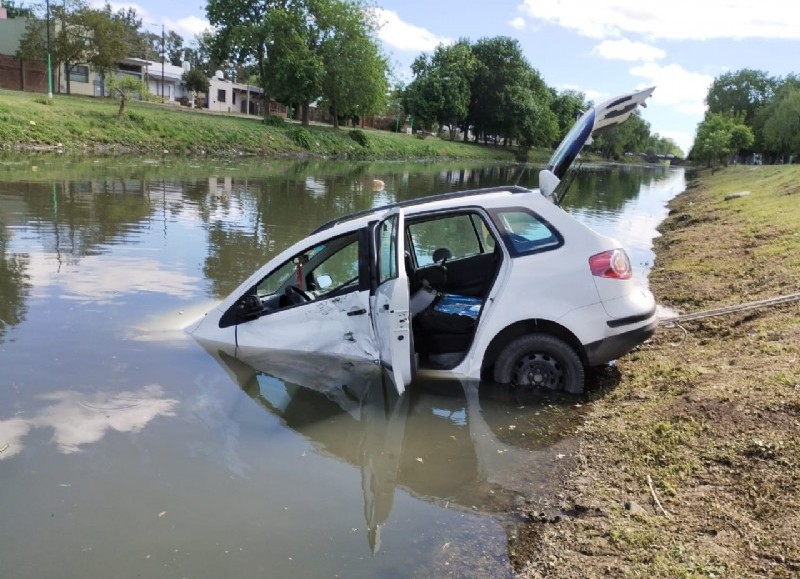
612, 264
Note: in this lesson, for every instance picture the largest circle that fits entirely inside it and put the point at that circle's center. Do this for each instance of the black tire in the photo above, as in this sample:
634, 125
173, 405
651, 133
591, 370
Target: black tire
540, 360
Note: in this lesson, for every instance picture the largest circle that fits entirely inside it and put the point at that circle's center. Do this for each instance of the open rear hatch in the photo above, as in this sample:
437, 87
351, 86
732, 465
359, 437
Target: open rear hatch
607, 114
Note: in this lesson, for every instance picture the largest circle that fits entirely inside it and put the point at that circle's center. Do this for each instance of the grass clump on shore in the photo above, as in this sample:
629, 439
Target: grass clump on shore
30, 122
689, 460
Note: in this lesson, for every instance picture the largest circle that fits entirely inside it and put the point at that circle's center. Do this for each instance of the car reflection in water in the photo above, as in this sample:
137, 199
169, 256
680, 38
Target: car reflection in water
446, 442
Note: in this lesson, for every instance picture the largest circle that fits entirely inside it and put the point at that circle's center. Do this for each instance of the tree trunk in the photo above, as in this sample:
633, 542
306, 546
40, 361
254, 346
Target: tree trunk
121, 106
306, 111
335, 113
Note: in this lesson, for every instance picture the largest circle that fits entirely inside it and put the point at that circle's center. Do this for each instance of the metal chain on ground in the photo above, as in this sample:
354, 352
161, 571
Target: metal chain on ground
677, 320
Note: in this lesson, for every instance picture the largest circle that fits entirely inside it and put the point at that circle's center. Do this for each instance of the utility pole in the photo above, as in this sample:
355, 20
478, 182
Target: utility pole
162, 62
49, 69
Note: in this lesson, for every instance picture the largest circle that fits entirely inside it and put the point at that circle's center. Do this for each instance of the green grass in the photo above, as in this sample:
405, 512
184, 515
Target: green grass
29, 122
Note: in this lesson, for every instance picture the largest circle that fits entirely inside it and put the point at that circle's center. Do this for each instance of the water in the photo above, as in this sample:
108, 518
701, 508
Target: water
127, 450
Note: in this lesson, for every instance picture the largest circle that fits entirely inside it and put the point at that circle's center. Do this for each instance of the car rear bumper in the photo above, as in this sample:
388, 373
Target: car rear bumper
612, 347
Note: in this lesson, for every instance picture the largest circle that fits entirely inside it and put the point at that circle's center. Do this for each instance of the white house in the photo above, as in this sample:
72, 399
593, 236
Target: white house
226, 96
163, 79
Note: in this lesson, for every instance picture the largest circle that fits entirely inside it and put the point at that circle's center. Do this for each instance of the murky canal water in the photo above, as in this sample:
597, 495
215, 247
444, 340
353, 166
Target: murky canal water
127, 450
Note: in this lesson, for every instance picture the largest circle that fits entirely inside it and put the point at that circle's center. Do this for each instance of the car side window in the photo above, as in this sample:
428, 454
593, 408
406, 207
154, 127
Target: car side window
326, 268
527, 233
337, 273
465, 235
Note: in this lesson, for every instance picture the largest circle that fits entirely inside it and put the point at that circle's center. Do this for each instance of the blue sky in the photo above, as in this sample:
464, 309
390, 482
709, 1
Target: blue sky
601, 47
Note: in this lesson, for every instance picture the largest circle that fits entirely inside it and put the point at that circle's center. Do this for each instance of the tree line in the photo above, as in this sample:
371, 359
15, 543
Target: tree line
751, 116
488, 90
325, 52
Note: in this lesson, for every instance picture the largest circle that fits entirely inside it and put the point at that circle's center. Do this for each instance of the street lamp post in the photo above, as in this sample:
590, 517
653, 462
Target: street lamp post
49, 69
162, 64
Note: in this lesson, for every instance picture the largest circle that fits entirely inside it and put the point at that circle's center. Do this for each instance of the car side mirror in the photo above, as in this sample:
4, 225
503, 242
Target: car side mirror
249, 306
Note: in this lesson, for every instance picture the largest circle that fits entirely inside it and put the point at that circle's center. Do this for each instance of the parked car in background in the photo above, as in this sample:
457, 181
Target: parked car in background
496, 283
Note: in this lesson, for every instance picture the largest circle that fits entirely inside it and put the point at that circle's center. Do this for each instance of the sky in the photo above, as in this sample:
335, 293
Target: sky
600, 47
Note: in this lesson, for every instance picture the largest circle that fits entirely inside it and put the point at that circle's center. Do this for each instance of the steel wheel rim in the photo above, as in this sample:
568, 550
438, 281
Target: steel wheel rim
539, 370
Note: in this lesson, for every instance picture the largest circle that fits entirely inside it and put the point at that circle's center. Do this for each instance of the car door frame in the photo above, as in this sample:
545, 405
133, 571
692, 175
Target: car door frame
389, 302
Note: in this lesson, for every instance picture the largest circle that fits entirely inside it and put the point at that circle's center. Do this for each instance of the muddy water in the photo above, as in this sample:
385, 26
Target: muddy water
128, 450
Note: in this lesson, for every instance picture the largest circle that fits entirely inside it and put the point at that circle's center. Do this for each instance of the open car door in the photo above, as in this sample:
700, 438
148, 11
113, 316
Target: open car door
390, 300
607, 114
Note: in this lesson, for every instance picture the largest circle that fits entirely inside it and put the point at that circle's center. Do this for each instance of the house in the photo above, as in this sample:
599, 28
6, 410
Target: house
162, 78
226, 96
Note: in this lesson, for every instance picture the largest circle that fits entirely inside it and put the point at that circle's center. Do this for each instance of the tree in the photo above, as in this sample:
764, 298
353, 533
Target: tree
195, 81
354, 82
135, 40
124, 87
658, 145
243, 33
168, 45
294, 67
741, 92
201, 56
719, 137
324, 48
567, 106
632, 136
502, 77
83, 36
782, 129
440, 91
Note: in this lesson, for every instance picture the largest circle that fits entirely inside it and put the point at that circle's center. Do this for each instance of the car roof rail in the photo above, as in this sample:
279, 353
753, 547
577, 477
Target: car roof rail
515, 189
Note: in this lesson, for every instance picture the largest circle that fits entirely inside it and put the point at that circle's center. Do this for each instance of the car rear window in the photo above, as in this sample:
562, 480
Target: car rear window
525, 232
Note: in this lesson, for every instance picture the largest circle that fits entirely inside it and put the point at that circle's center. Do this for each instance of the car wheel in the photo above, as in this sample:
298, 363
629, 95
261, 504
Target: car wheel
542, 361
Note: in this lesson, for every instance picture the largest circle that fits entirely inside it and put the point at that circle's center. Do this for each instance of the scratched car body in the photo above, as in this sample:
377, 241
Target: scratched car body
497, 283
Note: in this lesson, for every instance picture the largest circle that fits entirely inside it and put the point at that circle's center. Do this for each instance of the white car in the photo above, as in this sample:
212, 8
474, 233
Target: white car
498, 283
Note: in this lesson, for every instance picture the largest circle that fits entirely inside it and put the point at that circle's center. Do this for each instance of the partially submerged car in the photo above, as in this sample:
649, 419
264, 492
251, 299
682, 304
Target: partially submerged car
496, 283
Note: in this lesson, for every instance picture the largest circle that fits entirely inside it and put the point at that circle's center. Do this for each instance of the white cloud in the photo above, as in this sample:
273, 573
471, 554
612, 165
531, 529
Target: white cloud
117, 6
518, 23
590, 94
680, 19
675, 86
625, 49
188, 27
404, 36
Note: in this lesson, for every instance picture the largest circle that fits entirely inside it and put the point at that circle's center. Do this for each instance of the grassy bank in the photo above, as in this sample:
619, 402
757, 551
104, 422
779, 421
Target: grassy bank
30, 121
707, 415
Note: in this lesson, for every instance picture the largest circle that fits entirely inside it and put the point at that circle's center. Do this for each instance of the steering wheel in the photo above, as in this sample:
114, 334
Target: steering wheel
297, 296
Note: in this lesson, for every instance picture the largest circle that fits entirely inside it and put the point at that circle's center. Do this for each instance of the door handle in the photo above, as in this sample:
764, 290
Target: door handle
360, 312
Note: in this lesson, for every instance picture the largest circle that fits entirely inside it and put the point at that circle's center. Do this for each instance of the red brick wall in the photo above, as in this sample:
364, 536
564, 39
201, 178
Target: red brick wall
31, 76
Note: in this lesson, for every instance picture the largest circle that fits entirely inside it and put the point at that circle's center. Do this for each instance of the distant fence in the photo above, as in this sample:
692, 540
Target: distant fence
30, 75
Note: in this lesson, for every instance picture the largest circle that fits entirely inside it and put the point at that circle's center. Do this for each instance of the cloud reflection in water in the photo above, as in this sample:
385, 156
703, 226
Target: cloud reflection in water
78, 419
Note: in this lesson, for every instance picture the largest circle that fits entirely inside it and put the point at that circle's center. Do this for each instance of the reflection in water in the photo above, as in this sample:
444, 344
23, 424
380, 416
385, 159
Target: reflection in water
102, 279
437, 443
78, 419
101, 261
14, 285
